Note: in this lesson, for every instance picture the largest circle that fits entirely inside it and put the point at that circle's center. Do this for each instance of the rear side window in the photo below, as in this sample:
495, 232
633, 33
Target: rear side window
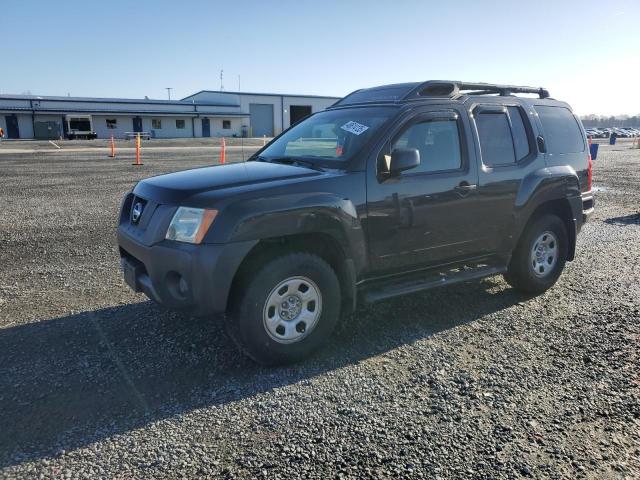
496, 144
438, 142
503, 136
561, 130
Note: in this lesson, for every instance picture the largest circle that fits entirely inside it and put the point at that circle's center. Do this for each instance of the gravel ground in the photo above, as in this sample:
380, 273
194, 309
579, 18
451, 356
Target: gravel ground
472, 381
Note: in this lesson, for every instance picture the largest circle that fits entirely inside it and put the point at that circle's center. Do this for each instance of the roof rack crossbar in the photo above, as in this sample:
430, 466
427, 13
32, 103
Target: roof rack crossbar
448, 88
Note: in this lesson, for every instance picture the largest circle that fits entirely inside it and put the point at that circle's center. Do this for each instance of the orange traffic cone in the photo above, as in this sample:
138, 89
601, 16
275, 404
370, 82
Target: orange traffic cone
138, 162
113, 148
223, 147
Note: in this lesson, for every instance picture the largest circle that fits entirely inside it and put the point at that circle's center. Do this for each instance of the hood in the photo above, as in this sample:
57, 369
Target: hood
174, 188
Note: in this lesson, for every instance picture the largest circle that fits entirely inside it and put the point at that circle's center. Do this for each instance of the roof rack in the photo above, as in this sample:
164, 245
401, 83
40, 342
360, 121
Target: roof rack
453, 89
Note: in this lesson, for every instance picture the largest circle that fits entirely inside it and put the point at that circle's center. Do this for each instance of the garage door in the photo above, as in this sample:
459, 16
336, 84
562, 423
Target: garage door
47, 130
261, 119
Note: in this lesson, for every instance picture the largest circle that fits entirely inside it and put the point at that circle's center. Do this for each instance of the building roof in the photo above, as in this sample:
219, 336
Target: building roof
129, 111
227, 92
51, 98
188, 106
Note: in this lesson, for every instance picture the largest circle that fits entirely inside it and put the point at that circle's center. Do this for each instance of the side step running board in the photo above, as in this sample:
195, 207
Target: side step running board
428, 281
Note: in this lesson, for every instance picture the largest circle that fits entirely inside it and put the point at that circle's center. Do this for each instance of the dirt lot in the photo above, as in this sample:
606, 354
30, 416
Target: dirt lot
471, 381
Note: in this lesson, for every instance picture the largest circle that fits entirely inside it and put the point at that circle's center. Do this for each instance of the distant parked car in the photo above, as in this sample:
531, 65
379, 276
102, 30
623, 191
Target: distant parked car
631, 131
596, 133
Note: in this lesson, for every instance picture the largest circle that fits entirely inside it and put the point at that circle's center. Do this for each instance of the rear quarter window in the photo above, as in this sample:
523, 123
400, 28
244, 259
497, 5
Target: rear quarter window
561, 130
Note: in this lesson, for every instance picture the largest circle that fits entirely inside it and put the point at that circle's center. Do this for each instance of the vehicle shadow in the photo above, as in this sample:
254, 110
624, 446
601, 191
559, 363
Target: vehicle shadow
70, 381
632, 219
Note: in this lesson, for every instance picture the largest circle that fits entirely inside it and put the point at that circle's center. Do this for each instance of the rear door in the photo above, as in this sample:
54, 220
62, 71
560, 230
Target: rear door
507, 154
424, 216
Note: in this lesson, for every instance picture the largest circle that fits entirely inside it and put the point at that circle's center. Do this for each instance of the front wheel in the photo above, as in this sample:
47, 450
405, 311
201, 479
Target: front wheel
540, 256
287, 310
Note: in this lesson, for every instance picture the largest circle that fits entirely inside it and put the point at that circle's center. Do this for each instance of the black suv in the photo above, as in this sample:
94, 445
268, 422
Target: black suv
392, 190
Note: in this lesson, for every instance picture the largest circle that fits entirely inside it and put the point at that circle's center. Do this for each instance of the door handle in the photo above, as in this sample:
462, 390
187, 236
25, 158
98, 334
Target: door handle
465, 187
542, 146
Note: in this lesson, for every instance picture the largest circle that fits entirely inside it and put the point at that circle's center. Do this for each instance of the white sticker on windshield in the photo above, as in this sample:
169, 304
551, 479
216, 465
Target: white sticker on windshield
354, 127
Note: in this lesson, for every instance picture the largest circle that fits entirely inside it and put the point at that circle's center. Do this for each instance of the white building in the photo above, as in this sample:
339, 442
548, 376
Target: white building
203, 114
269, 113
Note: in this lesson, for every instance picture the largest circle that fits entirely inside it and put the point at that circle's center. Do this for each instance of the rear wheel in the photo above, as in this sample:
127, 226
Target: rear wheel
540, 256
287, 310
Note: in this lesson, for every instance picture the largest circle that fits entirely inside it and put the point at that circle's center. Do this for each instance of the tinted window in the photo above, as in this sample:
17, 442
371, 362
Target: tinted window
438, 142
519, 132
561, 131
496, 144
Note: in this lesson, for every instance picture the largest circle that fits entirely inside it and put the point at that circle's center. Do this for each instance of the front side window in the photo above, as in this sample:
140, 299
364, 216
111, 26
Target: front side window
156, 123
112, 123
180, 124
226, 124
496, 143
438, 142
331, 135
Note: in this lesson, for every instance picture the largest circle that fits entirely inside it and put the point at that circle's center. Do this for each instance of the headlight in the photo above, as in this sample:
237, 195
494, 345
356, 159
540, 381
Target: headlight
190, 224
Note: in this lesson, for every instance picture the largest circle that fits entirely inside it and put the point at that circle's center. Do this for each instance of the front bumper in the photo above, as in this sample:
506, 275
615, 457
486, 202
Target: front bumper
182, 276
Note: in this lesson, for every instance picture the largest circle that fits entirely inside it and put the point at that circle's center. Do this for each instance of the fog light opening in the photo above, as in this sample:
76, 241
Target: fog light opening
177, 285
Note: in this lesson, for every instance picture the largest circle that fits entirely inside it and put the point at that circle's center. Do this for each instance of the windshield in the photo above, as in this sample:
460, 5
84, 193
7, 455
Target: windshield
330, 135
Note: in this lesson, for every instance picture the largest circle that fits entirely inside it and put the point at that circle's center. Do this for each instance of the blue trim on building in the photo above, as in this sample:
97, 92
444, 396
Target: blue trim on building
70, 111
36, 98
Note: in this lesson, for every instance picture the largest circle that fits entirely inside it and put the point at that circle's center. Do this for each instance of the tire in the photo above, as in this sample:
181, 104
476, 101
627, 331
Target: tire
536, 272
276, 328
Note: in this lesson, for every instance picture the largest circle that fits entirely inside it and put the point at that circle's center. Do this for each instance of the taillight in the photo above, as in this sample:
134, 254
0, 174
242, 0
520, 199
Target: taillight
589, 173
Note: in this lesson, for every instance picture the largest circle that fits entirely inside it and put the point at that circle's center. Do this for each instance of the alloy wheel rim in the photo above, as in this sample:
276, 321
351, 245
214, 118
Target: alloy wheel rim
292, 310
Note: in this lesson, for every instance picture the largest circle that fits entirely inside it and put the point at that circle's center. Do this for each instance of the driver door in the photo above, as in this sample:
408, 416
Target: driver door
425, 216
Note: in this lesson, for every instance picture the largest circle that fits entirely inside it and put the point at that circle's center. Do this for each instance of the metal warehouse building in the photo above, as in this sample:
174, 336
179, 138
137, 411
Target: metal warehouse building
203, 114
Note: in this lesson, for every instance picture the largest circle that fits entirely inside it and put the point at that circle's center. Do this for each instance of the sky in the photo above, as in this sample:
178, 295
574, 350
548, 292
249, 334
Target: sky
585, 52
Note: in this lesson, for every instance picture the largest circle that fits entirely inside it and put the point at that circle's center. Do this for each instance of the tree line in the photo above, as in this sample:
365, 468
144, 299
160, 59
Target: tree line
612, 121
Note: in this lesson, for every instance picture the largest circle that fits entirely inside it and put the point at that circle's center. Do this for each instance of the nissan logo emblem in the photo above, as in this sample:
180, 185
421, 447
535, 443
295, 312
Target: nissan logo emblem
136, 212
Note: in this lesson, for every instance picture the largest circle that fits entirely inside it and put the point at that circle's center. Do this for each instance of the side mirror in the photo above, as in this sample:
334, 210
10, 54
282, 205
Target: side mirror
403, 159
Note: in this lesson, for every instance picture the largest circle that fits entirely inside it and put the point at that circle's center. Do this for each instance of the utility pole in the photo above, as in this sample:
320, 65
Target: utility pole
221, 84
168, 89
